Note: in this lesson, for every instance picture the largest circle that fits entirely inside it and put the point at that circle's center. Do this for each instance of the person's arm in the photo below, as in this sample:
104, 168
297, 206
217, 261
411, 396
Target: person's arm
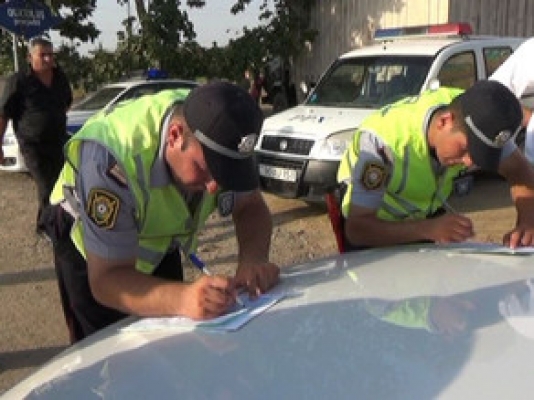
3, 126
364, 228
118, 285
66, 87
253, 225
520, 176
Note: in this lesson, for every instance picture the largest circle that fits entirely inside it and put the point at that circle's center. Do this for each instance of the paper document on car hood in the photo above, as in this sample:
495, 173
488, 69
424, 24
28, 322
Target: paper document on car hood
492, 248
231, 321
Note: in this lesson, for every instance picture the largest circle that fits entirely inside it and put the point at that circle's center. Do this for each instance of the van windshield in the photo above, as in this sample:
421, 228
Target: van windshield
370, 82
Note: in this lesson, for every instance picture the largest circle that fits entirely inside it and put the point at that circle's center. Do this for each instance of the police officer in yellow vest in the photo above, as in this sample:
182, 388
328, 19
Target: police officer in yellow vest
138, 185
405, 160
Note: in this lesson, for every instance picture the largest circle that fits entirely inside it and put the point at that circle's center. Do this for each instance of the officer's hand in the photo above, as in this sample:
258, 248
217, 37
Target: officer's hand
257, 279
450, 228
519, 236
209, 297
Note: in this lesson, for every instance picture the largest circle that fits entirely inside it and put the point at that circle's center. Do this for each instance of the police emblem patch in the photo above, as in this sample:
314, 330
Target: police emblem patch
225, 203
373, 175
103, 208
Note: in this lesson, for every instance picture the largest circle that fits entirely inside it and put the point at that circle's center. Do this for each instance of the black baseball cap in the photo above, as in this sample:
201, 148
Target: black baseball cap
226, 121
493, 116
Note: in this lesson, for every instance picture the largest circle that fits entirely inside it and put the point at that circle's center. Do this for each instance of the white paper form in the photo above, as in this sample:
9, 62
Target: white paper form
492, 248
231, 321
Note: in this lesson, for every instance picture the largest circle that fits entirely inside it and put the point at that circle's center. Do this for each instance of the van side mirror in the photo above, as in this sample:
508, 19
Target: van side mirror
306, 88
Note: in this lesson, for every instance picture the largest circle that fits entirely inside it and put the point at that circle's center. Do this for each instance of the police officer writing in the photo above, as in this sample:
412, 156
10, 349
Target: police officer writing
138, 185
405, 159
37, 101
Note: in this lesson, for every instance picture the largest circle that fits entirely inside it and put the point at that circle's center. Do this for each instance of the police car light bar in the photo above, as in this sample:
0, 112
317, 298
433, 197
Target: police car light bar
454, 29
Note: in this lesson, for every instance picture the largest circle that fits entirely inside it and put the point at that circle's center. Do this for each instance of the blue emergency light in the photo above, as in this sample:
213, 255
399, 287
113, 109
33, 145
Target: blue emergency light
453, 29
156, 73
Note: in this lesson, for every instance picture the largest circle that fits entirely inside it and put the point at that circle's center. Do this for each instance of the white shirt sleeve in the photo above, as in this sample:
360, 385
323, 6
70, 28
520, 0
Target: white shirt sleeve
517, 72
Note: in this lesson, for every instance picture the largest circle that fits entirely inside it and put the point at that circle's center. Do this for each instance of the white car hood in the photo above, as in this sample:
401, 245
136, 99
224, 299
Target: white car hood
407, 322
318, 122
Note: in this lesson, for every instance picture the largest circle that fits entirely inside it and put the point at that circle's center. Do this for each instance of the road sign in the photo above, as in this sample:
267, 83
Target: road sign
26, 18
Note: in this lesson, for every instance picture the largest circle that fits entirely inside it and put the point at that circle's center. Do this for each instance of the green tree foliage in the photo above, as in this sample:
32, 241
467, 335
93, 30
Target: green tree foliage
159, 33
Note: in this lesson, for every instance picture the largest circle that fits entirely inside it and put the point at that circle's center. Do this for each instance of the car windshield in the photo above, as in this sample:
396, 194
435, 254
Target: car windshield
98, 99
370, 82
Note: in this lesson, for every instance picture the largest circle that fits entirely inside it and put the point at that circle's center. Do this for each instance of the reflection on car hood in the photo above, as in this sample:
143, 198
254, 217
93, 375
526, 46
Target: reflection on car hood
413, 322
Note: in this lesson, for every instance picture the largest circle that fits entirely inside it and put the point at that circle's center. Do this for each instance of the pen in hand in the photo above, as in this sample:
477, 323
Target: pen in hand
197, 262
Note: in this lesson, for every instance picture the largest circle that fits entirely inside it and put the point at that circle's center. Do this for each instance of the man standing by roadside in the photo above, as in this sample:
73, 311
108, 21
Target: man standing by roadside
36, 100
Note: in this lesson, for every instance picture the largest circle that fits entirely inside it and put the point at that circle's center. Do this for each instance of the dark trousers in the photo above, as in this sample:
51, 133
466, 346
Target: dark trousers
44, 161
83, 314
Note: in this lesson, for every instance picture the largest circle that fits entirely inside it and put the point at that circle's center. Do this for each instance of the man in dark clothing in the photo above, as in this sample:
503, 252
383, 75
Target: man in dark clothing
37, 101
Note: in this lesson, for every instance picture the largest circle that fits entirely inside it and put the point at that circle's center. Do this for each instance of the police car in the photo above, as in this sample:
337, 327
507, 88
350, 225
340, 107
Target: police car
299, 150
104, 98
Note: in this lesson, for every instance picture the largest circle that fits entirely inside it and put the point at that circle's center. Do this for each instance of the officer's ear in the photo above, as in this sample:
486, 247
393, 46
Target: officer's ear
445, 119
177, 135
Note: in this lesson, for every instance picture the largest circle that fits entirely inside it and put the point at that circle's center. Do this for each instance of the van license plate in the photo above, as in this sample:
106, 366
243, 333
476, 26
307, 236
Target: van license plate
282, 174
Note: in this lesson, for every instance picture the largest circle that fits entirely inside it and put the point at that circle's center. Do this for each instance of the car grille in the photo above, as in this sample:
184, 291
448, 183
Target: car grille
287, 145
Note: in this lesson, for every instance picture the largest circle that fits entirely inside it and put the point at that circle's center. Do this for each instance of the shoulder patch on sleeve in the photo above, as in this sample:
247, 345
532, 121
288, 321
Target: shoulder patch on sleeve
103, 208
374, 175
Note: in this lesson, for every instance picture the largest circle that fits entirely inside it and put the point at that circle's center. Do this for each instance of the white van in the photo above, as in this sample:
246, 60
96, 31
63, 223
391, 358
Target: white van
299, 150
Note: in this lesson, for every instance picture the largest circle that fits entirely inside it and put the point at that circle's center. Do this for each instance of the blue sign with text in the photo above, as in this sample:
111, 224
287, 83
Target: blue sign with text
26, 18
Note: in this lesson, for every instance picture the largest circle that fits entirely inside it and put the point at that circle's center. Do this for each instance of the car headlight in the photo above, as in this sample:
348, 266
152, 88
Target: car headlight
335, 145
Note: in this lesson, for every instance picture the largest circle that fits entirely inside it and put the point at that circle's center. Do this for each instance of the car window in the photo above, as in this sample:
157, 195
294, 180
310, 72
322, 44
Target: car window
495, 56
458, 71
138, 91
370, 82
152, 88
99, 99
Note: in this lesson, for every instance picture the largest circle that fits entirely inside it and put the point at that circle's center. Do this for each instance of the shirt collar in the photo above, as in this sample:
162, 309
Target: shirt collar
160, 174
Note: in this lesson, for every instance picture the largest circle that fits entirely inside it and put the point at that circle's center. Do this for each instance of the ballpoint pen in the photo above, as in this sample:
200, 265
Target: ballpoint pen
197, 262
449, 208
